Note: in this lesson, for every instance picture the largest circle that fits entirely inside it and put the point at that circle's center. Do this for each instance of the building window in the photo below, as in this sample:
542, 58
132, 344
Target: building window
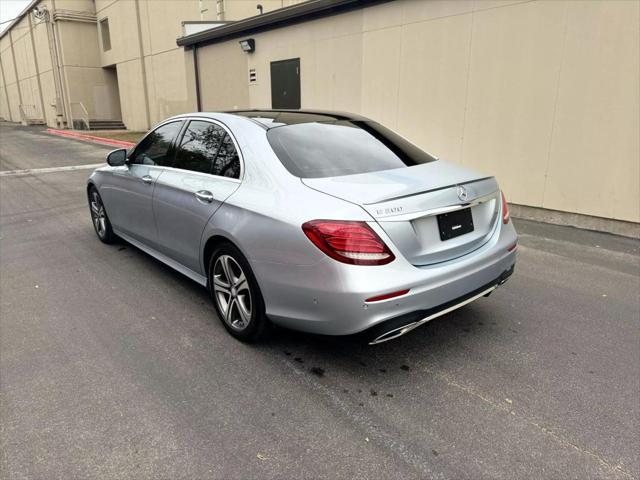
104, 32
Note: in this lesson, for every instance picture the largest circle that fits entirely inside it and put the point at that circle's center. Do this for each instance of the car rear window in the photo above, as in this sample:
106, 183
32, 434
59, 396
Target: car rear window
331, 149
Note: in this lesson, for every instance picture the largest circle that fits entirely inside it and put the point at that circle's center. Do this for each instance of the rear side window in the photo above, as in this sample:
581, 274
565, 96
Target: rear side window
199, 147
331, 149
227, 163
154, 149
207, 148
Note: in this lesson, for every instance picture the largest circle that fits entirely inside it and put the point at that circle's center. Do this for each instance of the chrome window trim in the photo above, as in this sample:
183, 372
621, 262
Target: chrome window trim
176, 146
208, 175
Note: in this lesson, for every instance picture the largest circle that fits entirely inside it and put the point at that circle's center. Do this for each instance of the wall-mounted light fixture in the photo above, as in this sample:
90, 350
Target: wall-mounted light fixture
248, 45
41, 13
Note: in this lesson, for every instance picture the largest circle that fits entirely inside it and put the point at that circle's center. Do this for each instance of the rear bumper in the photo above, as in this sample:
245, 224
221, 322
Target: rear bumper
398, 326
329, 298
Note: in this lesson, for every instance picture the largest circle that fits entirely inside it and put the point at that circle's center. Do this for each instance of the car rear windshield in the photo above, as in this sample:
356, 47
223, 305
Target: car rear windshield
331, 149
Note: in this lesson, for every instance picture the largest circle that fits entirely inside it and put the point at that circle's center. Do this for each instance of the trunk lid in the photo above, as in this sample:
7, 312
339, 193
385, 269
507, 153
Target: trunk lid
407, 204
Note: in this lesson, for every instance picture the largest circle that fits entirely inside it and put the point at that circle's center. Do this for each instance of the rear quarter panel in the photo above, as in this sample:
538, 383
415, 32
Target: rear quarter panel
264, 216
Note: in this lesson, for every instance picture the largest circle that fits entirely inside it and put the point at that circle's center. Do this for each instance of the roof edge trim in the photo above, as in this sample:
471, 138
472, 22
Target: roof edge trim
282, 17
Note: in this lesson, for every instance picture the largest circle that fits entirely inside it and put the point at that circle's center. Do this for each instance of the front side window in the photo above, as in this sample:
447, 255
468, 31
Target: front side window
208, 148
105, 34
155, 148
335, 148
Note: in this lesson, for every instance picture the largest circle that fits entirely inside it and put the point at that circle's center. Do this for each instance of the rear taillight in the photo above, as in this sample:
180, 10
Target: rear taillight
348, 242
505, 209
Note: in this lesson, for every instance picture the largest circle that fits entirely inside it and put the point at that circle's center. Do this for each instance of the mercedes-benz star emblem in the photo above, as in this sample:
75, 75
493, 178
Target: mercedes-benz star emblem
462, 193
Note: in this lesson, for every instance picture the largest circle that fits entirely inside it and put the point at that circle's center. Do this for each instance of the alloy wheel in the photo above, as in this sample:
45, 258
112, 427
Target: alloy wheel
232, 292
98, 215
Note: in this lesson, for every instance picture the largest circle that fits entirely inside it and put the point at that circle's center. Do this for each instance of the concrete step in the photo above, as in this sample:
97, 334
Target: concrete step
34, 121
106, 125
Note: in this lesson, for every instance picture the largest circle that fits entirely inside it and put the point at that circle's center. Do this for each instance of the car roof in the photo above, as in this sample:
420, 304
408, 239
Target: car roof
278, 118
269, 119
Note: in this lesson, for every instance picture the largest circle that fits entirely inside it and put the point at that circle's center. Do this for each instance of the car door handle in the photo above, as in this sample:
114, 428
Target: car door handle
147, 179
205, 196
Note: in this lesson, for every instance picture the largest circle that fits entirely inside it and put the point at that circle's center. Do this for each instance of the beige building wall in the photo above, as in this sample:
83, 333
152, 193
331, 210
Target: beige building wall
223, 83
239, 9
4, 103
50, 68
543, 94
10, 94
150, 66
85, 80
140, 79
45, 65
19, 72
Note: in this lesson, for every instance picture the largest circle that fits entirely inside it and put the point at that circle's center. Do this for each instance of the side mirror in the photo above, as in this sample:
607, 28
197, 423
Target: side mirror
117, 158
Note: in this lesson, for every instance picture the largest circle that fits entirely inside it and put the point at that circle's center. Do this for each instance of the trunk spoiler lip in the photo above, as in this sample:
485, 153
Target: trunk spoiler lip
444, 187
405, 217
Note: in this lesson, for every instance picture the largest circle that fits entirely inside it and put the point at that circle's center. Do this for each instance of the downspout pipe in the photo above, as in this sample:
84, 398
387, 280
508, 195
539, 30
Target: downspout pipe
6, 92
15, 72
61, 101
196, 68
143, 67
35, 61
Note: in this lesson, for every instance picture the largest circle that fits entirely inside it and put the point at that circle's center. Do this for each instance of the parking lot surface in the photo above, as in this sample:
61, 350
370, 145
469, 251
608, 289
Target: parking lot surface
115, 366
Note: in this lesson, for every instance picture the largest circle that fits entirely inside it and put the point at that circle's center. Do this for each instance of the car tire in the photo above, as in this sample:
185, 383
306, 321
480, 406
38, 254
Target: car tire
99, 218
236, 294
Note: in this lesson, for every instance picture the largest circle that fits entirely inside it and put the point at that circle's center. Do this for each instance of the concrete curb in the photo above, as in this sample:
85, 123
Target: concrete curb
90, 138
585, 222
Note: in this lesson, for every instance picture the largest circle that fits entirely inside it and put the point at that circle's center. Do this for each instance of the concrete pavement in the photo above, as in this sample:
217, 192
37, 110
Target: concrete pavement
32, 147
114, 366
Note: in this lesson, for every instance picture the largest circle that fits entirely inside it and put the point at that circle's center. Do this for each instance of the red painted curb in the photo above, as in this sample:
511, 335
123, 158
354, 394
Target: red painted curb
90, 138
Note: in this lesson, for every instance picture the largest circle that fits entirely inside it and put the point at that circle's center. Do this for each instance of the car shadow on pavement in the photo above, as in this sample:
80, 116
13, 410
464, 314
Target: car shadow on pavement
444, 337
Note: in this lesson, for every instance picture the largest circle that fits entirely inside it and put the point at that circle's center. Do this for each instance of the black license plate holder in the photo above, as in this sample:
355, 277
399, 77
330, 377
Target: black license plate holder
454, 224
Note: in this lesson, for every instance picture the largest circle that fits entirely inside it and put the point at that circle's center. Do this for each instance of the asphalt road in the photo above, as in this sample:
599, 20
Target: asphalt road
114, 366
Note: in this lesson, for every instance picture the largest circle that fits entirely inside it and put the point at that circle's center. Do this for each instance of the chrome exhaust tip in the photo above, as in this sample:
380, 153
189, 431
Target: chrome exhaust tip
392, 334
399, 331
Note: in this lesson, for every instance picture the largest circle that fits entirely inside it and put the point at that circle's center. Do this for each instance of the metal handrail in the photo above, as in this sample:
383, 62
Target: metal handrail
82, 118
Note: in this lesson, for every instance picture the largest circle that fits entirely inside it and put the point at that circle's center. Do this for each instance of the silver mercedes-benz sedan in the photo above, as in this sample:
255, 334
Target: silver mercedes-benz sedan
317, 221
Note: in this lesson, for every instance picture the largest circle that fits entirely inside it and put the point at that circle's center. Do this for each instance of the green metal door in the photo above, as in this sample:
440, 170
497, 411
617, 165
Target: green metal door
285, 84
